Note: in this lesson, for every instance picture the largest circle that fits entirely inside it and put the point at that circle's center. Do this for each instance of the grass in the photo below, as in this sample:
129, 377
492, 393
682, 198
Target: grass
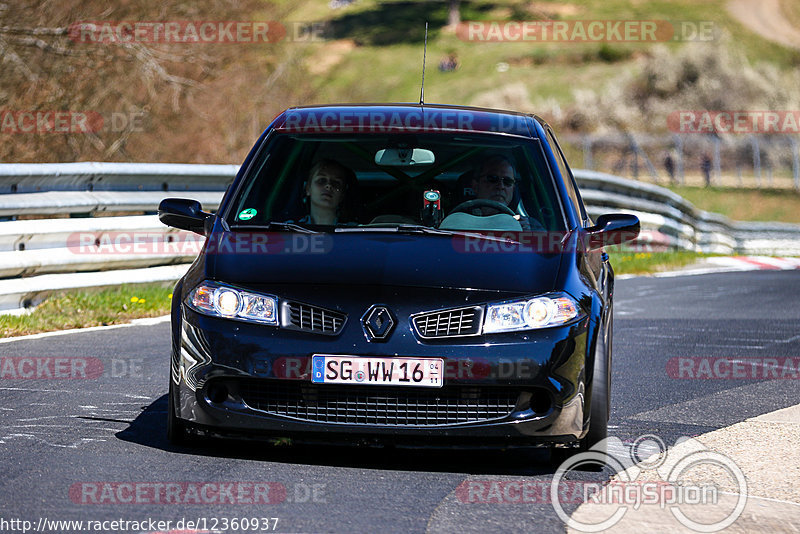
385, 63
629, 262
745, 204
81, 309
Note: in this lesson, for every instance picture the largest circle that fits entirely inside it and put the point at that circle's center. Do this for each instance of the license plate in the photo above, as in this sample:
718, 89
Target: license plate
423, 372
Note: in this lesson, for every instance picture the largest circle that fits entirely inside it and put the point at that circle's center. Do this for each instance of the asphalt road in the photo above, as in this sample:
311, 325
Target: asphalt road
63, 442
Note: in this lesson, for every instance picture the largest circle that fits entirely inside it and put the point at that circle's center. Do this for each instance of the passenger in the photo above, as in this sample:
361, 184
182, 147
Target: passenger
325, 191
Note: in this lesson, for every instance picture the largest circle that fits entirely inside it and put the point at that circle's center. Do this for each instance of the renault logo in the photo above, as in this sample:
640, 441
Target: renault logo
377, 323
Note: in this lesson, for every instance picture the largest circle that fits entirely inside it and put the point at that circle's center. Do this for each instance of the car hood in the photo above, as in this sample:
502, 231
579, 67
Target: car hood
389, 259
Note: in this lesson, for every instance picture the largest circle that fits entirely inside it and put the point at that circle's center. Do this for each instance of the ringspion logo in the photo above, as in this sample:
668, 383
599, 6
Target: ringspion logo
675, 479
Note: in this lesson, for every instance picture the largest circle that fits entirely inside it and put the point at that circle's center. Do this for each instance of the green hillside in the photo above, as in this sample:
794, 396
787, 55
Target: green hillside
374, 51
207, 103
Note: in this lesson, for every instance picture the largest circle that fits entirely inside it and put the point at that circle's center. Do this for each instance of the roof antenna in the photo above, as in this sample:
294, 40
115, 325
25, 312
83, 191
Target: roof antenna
424, 54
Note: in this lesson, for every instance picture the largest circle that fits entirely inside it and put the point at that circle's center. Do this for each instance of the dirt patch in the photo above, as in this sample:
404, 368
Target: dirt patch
767, 19
329, 55
512, 96
548, 10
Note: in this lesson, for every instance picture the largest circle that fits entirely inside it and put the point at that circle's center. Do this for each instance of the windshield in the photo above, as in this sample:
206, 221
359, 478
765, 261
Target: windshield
444, 181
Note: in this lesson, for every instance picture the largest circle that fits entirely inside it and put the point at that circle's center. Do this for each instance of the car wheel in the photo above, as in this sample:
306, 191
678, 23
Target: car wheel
599, 411
176, 429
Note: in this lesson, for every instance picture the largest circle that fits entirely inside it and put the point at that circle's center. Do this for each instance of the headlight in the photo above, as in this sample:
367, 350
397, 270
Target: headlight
222, 301
539, 312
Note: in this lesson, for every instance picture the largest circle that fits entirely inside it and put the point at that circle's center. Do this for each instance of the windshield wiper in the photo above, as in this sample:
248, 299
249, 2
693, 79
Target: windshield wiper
274, 225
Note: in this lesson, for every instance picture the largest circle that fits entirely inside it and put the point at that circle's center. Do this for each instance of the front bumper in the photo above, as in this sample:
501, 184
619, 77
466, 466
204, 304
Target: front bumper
242, 380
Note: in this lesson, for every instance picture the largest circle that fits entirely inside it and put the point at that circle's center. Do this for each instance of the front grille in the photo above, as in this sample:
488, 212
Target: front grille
379, 405
449, 323
308, 318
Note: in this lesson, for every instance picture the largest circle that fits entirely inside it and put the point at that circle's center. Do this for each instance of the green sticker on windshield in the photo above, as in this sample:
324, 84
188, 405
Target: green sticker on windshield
246, 215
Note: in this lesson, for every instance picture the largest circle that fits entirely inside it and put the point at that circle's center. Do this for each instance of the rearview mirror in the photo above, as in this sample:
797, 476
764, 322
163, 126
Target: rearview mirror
404, 157
184, 213
612, 229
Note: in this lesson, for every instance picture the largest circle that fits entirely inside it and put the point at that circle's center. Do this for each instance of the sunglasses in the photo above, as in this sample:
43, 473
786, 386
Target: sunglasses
494, 179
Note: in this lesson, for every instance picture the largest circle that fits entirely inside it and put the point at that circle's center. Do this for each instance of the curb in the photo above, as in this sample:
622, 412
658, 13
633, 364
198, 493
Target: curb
726, 264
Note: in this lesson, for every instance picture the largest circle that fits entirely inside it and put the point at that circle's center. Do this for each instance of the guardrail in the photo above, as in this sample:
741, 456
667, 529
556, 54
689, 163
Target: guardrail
670, 220
40, 256
101, 176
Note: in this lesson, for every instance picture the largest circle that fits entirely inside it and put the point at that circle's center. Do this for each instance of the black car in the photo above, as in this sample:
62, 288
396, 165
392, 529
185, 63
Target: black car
403, 274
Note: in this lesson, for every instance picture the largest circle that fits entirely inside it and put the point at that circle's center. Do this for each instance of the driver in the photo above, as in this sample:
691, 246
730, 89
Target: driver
495, 180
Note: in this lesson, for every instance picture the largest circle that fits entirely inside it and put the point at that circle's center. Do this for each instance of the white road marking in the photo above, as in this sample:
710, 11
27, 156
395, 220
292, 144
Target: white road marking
751, 496
136, 322
727, 264
128, 395
33, 437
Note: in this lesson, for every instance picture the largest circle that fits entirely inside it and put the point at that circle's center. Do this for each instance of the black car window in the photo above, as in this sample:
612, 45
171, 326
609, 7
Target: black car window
277, 187
566, 174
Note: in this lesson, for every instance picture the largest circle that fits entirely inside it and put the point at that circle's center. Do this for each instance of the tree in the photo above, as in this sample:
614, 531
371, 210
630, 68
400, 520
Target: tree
138, 100
454, 13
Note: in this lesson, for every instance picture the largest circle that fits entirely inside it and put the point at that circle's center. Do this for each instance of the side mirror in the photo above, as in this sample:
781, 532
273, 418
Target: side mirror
612, 229
185, 214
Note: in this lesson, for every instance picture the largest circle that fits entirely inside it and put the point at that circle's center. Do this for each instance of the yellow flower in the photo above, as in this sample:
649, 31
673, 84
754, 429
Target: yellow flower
134, 299
141, 301
169, 296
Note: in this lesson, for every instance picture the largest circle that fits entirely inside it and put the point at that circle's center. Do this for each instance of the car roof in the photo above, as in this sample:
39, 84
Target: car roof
404, 118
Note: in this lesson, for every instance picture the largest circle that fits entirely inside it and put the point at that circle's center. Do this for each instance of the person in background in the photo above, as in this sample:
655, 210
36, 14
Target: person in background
449, 63
705, 166
669, 166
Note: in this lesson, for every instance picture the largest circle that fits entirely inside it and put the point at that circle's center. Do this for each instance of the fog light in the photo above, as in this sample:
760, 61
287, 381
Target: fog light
217, 393
541, 402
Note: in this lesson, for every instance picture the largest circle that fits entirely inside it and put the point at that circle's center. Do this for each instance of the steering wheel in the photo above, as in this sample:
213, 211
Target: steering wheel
482, 203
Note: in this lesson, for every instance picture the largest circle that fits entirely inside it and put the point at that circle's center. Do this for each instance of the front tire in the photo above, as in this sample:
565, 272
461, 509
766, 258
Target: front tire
177, 433
599, 410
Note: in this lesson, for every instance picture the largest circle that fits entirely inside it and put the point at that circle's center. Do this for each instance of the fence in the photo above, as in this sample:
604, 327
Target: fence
38, 255
756, 161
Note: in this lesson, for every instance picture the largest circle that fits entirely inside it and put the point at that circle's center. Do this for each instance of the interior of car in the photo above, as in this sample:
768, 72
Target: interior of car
393, 194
